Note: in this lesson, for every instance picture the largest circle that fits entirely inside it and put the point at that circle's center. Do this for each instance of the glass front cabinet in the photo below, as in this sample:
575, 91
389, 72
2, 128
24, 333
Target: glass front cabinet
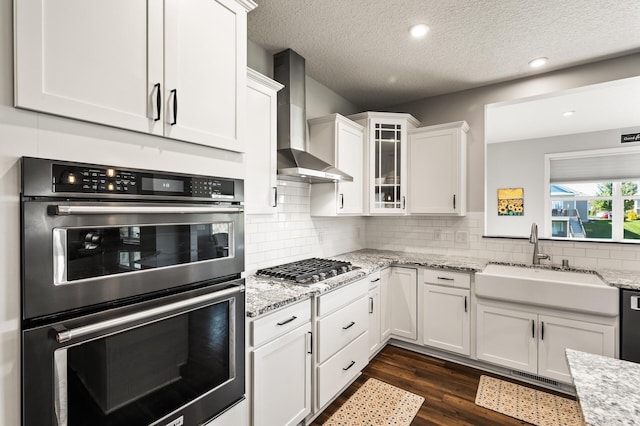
386, 160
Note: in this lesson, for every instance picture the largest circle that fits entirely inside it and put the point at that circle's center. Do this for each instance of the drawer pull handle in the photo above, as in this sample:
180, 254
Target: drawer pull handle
349, 366
288, 321
376, 280
371, 305
349, 326
445, 278
533, 329
541, 330
465, 304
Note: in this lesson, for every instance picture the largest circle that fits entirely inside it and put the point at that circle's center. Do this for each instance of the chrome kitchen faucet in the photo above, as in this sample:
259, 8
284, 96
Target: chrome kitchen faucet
533, 239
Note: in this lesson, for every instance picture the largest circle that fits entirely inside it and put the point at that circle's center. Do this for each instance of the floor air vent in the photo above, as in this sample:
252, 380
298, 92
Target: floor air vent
534, 377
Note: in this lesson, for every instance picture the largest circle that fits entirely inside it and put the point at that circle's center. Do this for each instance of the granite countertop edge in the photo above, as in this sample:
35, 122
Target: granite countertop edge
265, 294
605, 388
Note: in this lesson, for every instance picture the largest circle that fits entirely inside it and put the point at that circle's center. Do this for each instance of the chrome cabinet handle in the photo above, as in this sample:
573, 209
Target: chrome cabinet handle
62, 210
346, 327
404, 202
275, 196
310, 340
445, 278
454, 201
287, 321
342, 201
349, 366
371, 305
465, 304
376, 280
541, 330
67, 335
533, 329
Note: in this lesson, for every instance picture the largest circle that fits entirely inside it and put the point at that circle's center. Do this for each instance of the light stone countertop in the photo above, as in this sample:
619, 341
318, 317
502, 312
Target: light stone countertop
265, 294
607, 388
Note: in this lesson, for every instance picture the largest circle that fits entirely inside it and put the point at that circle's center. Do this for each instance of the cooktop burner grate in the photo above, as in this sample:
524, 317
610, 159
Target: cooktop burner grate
308, 270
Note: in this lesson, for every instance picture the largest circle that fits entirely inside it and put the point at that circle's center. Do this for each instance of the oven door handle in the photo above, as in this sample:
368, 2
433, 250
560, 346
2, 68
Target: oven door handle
65, 210
66, 335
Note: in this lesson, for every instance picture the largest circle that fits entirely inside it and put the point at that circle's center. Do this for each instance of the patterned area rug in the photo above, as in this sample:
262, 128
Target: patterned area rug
377, 403
530, 405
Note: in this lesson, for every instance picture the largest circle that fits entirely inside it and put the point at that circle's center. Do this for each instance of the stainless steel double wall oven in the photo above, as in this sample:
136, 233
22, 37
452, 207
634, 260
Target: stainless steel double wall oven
132, 297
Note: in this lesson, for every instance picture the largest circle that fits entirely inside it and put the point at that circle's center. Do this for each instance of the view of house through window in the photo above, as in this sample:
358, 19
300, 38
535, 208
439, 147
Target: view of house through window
596, 210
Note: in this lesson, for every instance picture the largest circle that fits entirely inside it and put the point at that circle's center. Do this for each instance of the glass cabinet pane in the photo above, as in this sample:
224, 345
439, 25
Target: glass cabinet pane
387, 166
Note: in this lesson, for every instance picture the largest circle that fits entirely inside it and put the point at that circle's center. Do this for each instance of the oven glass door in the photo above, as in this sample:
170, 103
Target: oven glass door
153, 368
98, 251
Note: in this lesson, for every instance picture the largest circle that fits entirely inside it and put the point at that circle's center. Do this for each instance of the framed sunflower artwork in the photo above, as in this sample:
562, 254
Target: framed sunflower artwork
511, 202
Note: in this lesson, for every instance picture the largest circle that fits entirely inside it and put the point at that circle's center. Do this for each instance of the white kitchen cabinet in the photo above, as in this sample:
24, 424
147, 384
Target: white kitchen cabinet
342, 339
260, 184
446, 318
403, 293
172, 68
375, 324
281, 366
385, 305
557, 334
386, 160
340, 142
438, 169
535, 343
507, 337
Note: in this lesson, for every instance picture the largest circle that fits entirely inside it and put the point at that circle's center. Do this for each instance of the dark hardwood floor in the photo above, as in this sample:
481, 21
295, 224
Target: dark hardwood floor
449, 389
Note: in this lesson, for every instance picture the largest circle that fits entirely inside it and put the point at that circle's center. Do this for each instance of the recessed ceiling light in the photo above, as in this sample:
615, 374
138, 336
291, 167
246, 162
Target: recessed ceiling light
568, 113
538, 62
419, 30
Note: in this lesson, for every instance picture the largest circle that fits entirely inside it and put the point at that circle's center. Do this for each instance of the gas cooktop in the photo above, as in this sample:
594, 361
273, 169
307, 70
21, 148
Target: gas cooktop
308, 271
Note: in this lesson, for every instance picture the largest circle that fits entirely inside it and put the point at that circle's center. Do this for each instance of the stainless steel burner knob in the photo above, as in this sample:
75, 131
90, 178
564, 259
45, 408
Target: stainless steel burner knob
315, 278
333, 272
323, 275
344, 269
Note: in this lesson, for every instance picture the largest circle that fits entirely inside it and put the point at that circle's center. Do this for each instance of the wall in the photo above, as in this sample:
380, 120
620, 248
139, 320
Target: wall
469, 105
507, 169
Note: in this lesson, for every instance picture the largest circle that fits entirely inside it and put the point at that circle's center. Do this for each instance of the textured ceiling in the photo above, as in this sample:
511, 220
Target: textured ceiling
361, 49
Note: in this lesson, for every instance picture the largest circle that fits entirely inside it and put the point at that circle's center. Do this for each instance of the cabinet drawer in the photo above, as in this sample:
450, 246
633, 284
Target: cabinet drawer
279, 322
333, 300
374, 279
448, 278
340, 369
337, 330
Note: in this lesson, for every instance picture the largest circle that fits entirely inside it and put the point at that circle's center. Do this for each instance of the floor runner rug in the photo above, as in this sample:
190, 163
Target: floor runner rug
526, 404
377, 403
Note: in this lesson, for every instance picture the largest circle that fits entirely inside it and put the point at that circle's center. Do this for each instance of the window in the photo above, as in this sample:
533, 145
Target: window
594, 195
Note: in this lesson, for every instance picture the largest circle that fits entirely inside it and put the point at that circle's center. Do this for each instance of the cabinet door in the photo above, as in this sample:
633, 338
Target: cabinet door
446, 319
374, 320
385, 305
557, 334
260, 185
92, 60
281, 370
507, 337
435, 172
388, 166
403, 291
205, 72
350, 159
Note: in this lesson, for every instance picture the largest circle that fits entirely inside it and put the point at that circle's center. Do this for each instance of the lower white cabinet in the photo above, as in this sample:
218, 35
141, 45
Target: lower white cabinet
342, 349
536, 343
403, 294
385, 305
375, 331
281, 368
446, 316
446, 310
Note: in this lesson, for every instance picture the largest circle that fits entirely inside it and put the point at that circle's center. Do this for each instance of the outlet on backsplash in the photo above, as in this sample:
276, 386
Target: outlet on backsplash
437, 235
462, 236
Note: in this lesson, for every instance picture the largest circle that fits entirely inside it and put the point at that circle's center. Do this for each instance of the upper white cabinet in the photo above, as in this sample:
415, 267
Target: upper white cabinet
437, 169
171, 68
338, 141
385, 160
260, 184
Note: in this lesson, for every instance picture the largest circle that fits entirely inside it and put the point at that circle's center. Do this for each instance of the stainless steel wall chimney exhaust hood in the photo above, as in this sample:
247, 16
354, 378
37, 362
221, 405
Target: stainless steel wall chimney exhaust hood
294, 162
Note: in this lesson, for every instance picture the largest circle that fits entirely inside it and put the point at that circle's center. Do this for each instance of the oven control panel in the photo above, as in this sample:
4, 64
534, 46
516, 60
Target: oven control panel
67, 178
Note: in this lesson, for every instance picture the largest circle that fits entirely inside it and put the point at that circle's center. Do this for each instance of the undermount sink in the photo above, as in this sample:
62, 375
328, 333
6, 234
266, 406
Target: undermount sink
569, 290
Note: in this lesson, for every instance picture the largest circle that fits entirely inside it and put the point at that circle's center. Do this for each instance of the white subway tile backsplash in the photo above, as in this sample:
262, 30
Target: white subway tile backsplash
292, 234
